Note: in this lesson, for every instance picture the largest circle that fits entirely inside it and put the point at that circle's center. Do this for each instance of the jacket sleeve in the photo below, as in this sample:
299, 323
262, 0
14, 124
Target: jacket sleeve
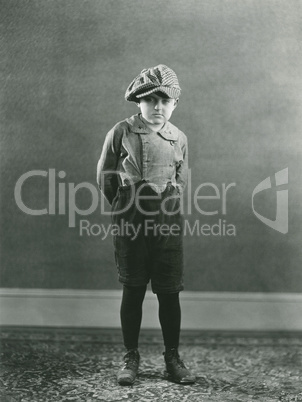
182, 168
107, 175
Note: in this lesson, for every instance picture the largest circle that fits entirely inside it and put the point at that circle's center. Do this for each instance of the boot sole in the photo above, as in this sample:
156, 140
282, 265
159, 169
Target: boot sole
170, 377
124, 383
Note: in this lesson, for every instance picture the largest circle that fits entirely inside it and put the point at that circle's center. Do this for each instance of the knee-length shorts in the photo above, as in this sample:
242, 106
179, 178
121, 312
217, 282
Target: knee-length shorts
148, 237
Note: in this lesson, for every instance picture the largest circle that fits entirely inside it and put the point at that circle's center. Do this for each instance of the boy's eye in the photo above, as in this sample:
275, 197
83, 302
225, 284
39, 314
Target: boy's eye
150, 99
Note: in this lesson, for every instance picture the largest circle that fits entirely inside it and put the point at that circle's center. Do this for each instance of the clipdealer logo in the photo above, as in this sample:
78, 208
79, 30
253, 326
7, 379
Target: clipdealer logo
280, 224
58, 200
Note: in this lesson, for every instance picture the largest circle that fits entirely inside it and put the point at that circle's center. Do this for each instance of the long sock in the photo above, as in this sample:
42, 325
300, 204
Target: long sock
131, 314
170, 317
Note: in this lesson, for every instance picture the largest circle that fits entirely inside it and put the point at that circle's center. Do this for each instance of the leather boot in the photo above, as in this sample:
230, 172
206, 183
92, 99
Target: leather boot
176, 370
127, 373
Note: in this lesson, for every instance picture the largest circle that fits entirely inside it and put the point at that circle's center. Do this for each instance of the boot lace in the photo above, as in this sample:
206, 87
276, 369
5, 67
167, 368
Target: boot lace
176, 358
131, 359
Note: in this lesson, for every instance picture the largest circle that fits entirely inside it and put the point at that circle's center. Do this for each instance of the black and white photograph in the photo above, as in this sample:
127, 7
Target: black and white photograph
151, 193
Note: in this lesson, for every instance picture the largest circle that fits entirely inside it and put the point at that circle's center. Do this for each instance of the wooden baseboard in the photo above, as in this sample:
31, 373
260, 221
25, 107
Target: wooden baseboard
200, 310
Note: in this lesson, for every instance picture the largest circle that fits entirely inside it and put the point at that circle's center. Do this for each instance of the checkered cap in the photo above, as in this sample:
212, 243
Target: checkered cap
155, 79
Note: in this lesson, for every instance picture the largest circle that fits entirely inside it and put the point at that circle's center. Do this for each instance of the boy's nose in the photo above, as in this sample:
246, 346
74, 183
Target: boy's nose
157, 105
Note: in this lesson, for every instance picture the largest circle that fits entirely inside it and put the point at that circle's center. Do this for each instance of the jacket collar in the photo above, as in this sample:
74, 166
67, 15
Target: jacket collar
168, 131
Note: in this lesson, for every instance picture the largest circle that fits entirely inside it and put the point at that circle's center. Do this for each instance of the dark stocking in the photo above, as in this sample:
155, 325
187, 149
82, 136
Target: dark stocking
169, 317
131, 314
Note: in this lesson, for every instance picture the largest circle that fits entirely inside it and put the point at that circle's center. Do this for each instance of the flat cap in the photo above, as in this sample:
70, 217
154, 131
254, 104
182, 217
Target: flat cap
154, 79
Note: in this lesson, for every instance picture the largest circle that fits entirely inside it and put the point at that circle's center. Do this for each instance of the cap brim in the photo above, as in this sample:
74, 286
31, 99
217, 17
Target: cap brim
170, 92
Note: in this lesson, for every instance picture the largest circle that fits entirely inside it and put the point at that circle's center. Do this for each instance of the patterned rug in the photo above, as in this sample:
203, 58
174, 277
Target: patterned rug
81, 365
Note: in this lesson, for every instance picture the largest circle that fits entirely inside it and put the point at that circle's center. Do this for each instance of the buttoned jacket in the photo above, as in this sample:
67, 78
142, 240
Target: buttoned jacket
132, 152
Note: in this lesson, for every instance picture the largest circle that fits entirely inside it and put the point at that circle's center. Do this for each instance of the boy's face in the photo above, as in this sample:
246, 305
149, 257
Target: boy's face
156, 110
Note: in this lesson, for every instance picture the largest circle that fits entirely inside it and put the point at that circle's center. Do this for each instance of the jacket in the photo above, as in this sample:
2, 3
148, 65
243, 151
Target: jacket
132, 152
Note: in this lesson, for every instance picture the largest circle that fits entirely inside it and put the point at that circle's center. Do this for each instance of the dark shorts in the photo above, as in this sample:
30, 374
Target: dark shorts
148, 241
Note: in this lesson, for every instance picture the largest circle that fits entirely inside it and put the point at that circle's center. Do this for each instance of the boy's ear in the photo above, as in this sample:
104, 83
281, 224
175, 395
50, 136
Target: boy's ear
137, 104
176, 102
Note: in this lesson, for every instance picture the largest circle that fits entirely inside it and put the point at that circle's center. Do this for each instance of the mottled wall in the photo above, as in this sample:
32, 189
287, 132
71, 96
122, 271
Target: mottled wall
65, 66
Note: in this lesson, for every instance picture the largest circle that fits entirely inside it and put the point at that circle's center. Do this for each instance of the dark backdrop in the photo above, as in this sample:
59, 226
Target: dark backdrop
65, 66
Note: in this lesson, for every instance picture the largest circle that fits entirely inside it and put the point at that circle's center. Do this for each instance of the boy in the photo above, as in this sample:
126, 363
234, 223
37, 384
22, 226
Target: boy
142, 172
